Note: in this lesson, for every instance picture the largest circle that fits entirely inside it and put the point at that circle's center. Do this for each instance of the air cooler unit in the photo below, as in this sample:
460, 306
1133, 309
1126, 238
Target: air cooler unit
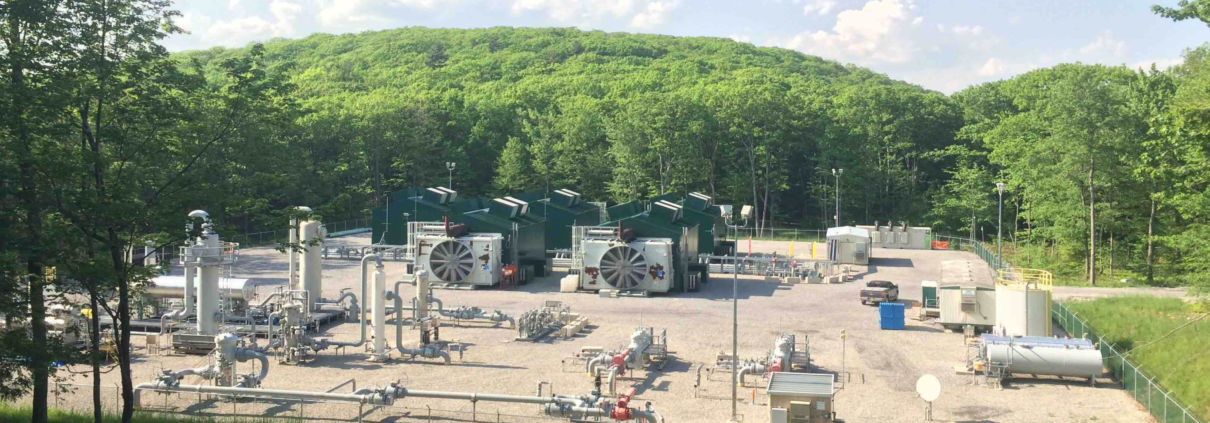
472, 259
644, 264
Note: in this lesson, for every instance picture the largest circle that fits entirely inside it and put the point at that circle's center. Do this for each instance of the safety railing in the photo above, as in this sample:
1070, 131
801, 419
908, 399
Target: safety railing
1032, 278
1158, 401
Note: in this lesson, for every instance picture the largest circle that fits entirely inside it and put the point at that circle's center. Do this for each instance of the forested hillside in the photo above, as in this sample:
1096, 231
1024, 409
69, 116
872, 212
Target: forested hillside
614, 116
1096, 158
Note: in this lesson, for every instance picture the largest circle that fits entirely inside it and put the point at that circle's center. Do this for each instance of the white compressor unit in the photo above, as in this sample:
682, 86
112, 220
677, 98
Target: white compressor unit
641, 265
472, 259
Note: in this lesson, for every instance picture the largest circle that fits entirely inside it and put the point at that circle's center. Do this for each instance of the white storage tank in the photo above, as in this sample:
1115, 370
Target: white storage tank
1023, 302
1041, 356
1022, 311
174, 287
311, 266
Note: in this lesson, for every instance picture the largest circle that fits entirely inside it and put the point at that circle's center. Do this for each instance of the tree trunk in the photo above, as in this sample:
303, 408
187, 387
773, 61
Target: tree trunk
31, 245
1092, 227
1151, 244
123, 332
94, 356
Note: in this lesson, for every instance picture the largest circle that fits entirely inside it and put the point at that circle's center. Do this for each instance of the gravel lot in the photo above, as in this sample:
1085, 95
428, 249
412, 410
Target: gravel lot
882, 366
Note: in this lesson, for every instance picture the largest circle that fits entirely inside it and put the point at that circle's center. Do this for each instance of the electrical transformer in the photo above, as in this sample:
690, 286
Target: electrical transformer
643, 264
471, 259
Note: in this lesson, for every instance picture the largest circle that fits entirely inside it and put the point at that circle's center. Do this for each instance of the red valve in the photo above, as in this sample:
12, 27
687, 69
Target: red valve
621, 409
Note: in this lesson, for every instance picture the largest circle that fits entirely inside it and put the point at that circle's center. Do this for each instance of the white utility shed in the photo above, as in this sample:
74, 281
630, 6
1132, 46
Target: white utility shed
849, 245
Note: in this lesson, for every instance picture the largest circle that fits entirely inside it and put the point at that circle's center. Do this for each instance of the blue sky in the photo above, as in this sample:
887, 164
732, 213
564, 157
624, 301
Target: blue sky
944, 45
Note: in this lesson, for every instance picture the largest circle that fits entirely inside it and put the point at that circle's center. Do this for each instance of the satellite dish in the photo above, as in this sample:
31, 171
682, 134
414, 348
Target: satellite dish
928, 387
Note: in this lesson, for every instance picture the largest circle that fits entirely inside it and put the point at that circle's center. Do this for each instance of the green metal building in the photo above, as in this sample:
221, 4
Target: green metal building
562, 210
524, 233
699, 208
389, 223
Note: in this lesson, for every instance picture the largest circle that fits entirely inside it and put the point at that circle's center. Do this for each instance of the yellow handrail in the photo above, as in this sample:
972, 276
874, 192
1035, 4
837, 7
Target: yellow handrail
1032, 278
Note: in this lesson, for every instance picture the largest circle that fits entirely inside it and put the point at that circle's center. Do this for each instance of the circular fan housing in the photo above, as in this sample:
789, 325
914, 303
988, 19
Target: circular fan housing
451, 261
623, 267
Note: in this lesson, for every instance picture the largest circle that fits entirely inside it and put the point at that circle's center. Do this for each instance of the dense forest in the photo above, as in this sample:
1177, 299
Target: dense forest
107, 140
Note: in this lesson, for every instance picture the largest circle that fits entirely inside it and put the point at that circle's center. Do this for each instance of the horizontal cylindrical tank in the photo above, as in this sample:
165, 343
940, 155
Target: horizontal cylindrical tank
1044, 356
174, 287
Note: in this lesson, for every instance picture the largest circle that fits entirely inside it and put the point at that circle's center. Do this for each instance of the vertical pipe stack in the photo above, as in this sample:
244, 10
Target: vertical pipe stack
205, 252
378, 306
422, 296
190, 275
312, 234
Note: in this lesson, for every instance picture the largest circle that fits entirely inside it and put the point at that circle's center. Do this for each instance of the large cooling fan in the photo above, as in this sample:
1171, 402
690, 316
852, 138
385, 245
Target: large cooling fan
623, 267
451, 261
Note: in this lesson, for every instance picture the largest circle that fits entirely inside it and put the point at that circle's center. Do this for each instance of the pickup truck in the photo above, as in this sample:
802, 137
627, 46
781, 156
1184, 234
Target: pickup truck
879, 291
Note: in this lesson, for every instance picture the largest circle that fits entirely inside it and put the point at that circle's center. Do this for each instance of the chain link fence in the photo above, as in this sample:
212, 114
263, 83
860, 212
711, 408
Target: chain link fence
256, 239
1141, 386
985, 251
777, 234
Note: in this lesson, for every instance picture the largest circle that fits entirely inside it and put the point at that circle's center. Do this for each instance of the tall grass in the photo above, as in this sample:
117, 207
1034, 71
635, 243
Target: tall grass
13, 413
1156, 334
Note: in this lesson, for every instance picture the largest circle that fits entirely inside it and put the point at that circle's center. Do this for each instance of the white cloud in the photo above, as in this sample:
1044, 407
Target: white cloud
284, 13
873, 34
1160, 63
420, 4
654, 14
238, 32
991, 67
639, 13
818, 7
350, 15
1106, 46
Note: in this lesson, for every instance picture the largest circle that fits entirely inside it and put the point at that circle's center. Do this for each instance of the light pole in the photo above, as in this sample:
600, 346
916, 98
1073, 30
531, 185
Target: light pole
837, 173
735, 322
999, 225
450, 167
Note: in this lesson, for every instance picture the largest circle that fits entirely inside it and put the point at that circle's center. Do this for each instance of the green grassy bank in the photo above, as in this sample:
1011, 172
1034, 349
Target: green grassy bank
1165, 337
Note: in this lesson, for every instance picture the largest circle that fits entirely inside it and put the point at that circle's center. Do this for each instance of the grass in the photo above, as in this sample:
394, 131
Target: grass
12, 413
1156, 334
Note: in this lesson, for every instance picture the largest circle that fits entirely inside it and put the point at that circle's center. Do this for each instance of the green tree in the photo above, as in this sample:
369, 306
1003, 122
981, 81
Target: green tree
1186, 9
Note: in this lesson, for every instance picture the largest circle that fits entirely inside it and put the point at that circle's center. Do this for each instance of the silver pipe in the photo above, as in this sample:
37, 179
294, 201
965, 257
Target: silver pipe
425, 351
401, 392
613, 375
244, 354
576, 411
360, 313
270, 298
591, 368
369, 398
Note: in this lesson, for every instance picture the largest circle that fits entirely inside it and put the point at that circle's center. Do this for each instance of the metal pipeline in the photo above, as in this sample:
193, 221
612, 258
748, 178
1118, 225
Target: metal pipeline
577, 412
425, 351
343, 296
367, 398
269, 299
360, 313
244, 354
401, 392
595, 361
750, 368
